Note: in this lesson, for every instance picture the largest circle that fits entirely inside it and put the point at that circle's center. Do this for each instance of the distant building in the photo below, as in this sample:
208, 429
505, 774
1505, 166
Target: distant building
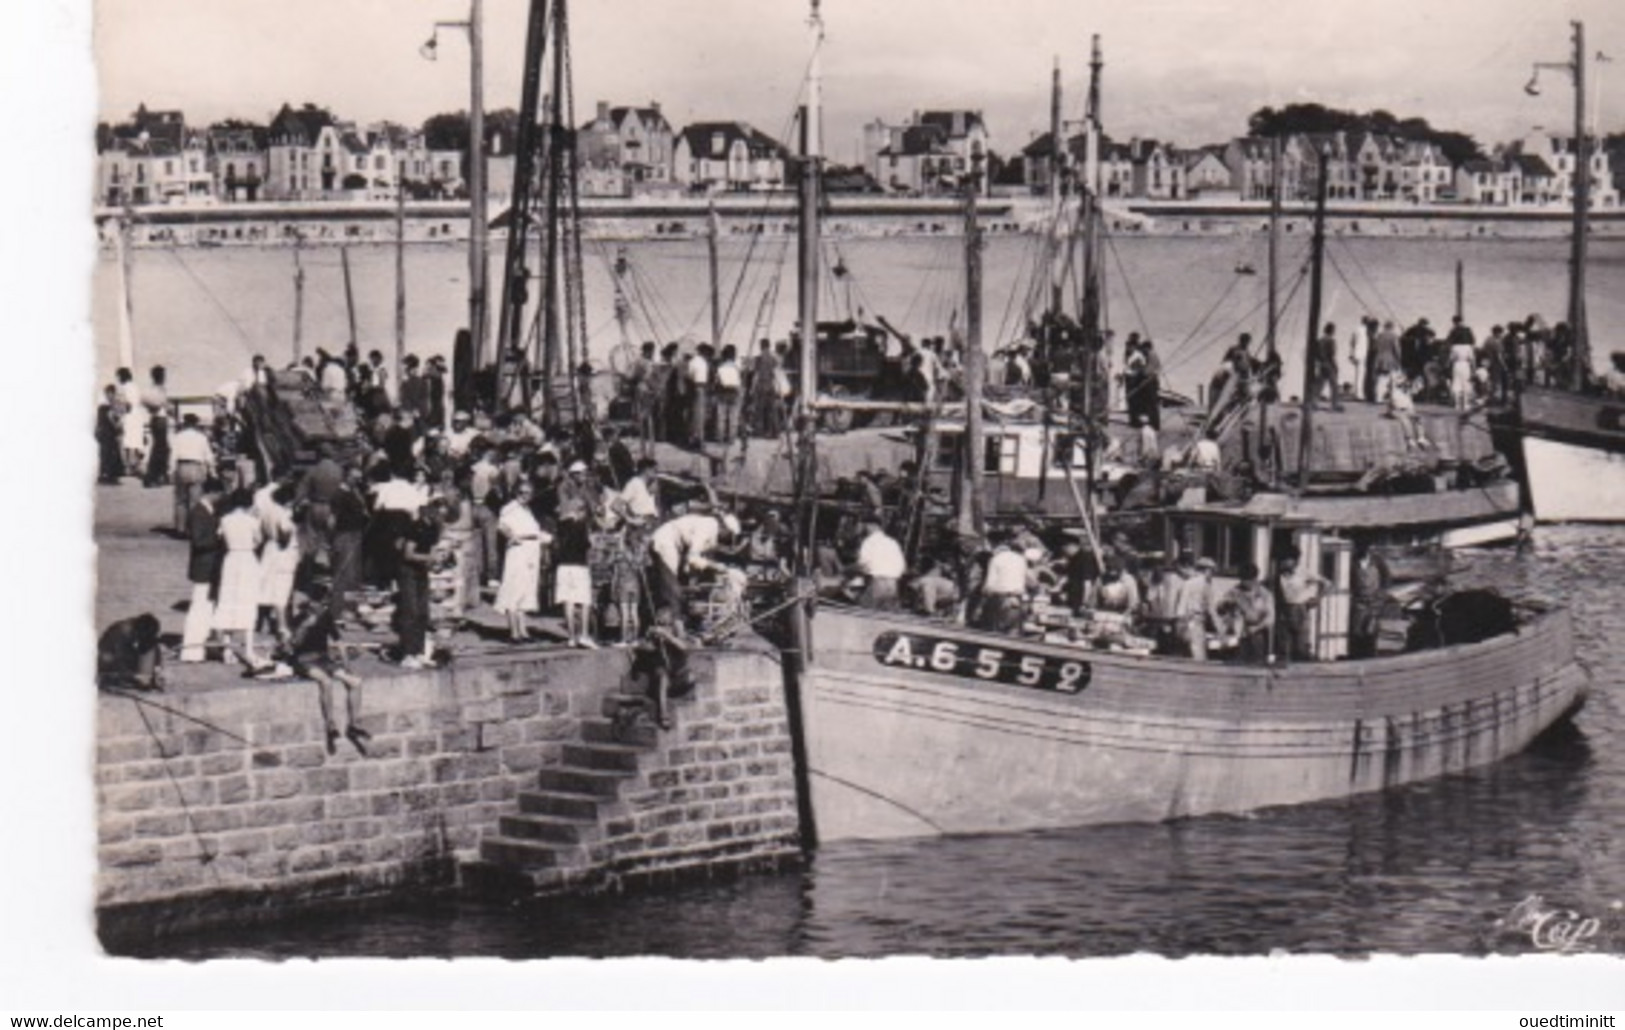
930, 154
1488, 181
1157, 173
1251, 164
292, 170
626, 151
716, 157
1425, 173
152, 159
1375, 166
237, 161
1558, 152
1206, 174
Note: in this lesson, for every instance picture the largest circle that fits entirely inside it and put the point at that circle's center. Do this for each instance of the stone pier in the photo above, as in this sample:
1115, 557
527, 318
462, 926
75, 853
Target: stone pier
222, 805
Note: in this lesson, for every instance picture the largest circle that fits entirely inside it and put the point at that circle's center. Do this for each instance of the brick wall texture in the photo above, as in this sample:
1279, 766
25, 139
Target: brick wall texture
220, 805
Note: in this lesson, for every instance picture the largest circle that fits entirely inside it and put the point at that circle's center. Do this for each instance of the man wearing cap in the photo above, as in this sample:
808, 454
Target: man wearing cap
414, 389
1251, 613
682, 545
1299, 590
191, 462
462, 435
1193, 604
881, 563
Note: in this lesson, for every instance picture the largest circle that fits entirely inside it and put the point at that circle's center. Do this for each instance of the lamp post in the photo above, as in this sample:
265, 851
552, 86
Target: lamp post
479, 237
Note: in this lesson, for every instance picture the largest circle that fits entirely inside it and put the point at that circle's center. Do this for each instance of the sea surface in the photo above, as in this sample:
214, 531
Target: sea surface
1463, 865
1525, 856
203, 313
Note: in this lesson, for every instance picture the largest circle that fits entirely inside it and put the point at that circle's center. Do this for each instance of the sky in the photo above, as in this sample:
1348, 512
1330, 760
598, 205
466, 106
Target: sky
1186, 70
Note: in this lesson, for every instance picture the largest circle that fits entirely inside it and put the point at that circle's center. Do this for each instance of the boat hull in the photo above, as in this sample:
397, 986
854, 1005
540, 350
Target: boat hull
896, 748
1573, 454
1573, 483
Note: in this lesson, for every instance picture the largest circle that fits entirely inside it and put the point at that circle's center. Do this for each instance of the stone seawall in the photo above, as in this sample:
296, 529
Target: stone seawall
222, 806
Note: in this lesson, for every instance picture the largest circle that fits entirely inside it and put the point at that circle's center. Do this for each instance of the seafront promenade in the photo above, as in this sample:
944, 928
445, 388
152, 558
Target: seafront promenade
332, 223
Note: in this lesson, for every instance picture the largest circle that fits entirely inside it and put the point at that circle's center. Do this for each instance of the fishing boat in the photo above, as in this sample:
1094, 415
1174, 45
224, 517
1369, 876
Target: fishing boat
912, 726
917, 727
1569, 443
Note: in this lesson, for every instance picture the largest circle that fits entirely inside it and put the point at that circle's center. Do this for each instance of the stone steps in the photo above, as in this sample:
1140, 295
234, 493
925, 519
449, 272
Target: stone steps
602, 731
551, 829
544, 842
600, 783
621, 758
530, 854
559, 803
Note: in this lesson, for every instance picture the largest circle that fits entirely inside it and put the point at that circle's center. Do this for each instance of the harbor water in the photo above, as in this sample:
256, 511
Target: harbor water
203, 313
1464, 865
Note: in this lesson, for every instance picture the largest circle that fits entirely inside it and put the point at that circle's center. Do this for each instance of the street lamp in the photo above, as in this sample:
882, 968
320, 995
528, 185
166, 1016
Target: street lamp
478, 260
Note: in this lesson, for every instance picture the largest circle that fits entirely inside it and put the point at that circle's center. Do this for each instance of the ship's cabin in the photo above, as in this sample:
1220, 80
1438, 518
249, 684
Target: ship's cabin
1261, 539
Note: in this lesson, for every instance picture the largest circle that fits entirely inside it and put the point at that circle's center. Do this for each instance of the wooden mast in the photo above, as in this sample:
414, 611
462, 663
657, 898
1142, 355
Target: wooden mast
1306, 440
1264, 452
349, 296
479, 244
1582, 212
298, 300
1057, 162
715, 224
516, 275
1273, 319
972, 456
126, 310
400, 282
807, 254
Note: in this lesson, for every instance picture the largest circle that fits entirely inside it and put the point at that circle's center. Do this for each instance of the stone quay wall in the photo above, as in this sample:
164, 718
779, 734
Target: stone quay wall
221, 806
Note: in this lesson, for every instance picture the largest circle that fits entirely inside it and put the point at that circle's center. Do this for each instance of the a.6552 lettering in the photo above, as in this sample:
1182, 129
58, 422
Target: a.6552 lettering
977, 661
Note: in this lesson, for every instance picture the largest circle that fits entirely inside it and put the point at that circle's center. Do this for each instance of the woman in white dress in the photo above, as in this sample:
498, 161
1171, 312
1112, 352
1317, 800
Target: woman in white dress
521, 563
279, 561
237, 605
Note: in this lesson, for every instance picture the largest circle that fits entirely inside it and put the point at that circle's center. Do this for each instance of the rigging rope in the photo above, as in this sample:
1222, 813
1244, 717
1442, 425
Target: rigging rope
1376, 289
1128, 286
208, 293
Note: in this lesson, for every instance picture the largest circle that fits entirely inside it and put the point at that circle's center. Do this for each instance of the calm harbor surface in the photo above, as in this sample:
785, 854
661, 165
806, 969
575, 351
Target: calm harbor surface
1437, 868
1440, 867
205, 312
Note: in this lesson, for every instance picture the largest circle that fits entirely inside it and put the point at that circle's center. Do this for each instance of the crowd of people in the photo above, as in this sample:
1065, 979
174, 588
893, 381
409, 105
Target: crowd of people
1060, 586
428, 522
1457, 368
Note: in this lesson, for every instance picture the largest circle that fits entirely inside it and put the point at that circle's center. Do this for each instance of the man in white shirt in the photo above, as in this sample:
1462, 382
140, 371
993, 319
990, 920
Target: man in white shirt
636, 501
1004, 589
1359, 351
683, 545
881, 562
461, 436
1193, 606
699, 393
191, 461
1205, 456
